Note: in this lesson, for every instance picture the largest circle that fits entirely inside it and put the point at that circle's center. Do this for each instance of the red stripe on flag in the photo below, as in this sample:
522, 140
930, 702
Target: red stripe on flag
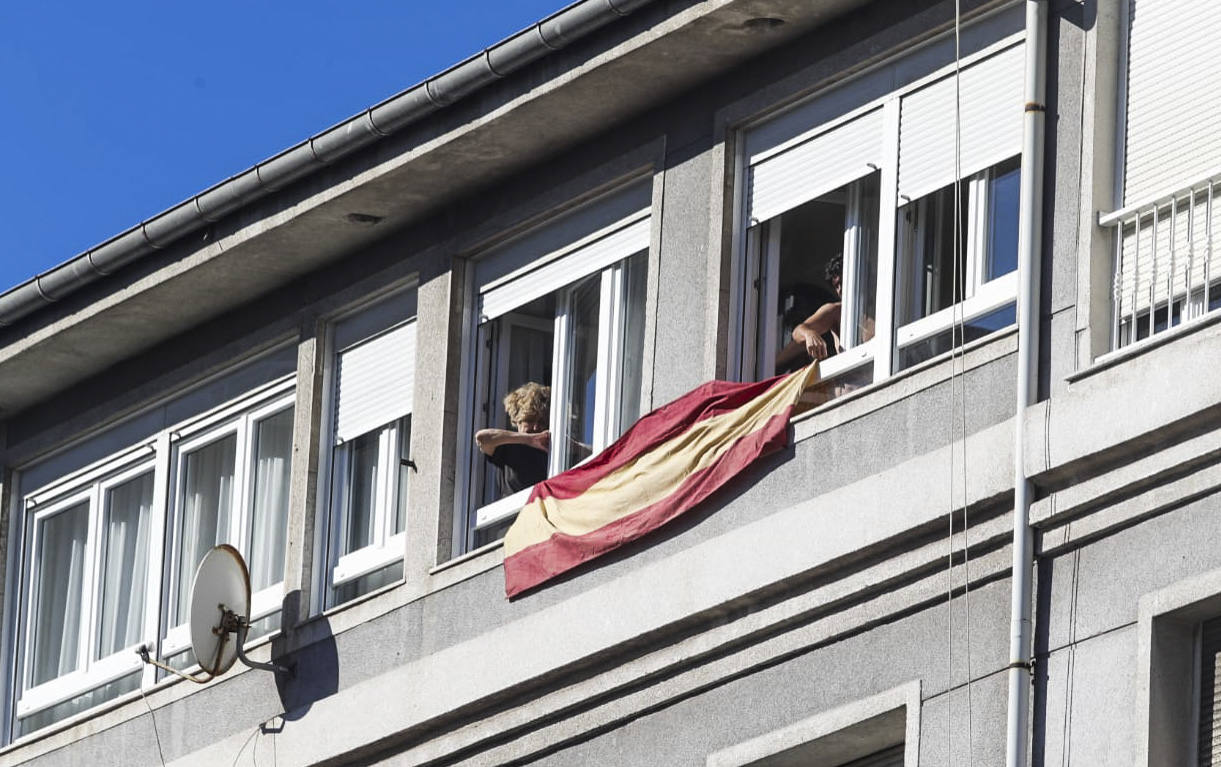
706, 401
535, 564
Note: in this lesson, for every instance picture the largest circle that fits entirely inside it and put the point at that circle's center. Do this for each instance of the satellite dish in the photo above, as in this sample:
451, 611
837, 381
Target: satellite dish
220, 605
220, 608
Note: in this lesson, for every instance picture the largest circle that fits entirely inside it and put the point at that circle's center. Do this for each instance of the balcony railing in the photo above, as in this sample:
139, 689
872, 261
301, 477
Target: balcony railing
1165, 271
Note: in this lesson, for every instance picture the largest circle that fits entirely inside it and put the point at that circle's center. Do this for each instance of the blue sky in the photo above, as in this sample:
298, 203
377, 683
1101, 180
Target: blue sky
113, 112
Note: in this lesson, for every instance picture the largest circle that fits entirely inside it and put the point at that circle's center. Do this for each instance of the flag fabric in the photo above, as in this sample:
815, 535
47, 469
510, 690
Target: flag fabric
665, 464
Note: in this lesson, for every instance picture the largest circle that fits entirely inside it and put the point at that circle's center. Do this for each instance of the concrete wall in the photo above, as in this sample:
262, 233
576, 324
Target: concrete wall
817, 581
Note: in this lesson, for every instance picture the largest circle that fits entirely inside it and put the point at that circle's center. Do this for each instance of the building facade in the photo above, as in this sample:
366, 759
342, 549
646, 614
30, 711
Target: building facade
621, 202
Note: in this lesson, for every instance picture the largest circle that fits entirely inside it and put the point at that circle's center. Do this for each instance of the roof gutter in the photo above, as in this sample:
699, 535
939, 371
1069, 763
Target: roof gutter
410, 106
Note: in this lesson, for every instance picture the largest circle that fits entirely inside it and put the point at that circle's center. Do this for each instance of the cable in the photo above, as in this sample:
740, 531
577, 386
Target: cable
153, 716
958, 406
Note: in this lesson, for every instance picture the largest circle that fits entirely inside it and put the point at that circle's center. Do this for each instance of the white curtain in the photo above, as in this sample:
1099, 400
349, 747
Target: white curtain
125, 564
269, 516
57, 595
207, 499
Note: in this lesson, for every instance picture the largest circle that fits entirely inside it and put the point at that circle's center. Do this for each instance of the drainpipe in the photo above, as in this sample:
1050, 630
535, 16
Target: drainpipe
1030, 237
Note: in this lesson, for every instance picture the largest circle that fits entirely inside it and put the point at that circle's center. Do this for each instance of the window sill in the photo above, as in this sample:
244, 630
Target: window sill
467, 566
904, 384
1131, 351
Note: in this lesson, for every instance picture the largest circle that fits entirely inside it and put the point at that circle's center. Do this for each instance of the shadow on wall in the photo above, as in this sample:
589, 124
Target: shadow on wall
316, 667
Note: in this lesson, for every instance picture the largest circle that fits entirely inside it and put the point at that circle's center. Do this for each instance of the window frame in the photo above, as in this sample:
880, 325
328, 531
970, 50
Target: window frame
889, 337
240, 419
371, 319
158, 456
611, 246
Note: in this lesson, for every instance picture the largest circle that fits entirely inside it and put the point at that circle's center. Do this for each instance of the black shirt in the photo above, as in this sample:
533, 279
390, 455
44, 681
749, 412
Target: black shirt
521, 466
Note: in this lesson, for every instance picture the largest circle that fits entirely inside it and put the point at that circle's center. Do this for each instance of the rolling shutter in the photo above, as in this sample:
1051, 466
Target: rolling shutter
374, 381
1173, 138
552, 272
1174, 118
991, 124
1209, 752
821, 163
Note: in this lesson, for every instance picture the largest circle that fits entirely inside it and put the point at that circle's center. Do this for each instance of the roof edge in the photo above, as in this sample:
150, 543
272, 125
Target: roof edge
405, 108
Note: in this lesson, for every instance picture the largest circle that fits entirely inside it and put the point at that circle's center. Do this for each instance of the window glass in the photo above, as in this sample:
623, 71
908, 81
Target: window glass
269, 508
59, 582
362, 491
207, 499
929, 267
942, 342
633, 342
124, 572
1004, 186
583, 371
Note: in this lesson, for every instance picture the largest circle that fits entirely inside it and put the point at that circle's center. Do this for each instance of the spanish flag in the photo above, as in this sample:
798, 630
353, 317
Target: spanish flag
665, 464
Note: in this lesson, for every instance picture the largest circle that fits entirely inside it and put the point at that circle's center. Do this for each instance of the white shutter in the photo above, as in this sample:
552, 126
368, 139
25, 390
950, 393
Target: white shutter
553, 271
1174, 115
991, 124
374, 381
821, 163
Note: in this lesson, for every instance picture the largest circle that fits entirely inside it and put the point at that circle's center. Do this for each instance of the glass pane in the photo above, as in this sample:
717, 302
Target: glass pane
818, 241
635, 282
96, 697
583, 370
59, 572
865, 241
273, 447
206, 502
400, 507
129, 509
1003, 189
941, 342
367, 583
928, 260
361, 492
829, 389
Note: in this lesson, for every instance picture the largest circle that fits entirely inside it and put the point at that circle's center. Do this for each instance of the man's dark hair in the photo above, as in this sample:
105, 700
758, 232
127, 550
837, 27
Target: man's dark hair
835, 268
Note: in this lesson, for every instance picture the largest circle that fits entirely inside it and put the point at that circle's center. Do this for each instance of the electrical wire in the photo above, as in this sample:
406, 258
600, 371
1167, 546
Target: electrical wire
958, 407
153, 716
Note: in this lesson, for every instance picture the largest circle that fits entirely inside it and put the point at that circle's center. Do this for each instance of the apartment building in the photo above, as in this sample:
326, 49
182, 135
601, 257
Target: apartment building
627, 199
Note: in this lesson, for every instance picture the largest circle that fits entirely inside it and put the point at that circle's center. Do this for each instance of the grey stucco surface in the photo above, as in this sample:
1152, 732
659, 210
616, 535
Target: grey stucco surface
1087, 594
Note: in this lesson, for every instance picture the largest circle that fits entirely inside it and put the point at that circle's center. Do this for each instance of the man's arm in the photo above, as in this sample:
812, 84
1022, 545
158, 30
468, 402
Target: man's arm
490, 439
810, 331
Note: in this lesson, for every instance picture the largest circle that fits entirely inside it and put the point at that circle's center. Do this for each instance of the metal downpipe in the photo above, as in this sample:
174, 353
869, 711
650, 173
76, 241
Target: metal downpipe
1030, 237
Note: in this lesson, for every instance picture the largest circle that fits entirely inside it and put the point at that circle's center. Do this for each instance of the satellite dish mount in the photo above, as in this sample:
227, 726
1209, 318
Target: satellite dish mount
220, 609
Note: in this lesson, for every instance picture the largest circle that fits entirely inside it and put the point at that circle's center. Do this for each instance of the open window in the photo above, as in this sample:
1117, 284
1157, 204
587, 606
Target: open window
878, 193
369, 460
979, 290
572, 320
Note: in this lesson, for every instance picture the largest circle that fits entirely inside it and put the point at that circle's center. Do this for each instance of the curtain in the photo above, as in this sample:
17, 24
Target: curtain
124, 564
269, 515
59, 578
207, 499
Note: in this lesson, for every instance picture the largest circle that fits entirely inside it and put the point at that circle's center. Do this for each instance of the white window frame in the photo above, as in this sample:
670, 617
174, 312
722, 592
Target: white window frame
980, 298
612, 311
157, 455
604, 253
889, 338
388, 546
354, 327
250, 411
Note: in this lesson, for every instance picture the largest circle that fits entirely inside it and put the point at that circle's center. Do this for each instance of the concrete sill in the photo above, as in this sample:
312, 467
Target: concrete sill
1120, 356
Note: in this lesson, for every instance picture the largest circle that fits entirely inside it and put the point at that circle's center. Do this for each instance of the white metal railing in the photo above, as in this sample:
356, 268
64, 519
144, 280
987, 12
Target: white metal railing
1164, 262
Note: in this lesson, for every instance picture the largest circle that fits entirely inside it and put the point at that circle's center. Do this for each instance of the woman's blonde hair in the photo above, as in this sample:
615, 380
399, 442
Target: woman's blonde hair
530, 401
